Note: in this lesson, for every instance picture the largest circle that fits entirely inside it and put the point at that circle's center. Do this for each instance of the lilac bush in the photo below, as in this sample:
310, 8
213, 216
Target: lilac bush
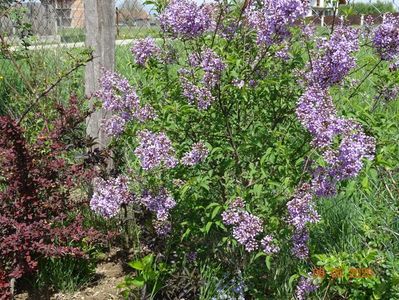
237, 145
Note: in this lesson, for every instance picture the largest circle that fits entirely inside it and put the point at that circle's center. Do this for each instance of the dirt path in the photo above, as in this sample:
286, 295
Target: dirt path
110, 274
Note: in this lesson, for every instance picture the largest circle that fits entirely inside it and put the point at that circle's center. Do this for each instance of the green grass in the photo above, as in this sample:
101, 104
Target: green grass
75, 35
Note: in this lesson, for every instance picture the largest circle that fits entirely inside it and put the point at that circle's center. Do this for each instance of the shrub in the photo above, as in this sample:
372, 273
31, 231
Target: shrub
40, 216
240, 126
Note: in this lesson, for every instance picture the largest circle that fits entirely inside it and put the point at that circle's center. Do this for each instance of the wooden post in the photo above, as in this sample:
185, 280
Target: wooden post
100, 36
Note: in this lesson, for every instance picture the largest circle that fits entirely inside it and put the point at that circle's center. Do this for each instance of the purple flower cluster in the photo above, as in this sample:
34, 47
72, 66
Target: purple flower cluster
154, 150
184, 18
201, 96
121, 100
274, 19
267, 245
301, 209
246, 227
317, 113
109, 195
213, 66
389, 94
386, 38
344, 162
304, 288
342, 142
159, 204
335, 59
301, 212
114, 125
300, 244
197, 154
144, 49
283, 53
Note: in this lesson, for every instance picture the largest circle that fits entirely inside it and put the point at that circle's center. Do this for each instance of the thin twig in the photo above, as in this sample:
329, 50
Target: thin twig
365, 78
53, 85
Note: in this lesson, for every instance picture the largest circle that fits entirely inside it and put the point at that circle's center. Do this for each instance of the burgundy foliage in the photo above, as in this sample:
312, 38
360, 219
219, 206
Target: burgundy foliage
38, 215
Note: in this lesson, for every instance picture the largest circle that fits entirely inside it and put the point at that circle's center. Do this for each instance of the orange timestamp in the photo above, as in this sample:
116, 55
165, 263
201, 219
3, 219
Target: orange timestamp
339, 273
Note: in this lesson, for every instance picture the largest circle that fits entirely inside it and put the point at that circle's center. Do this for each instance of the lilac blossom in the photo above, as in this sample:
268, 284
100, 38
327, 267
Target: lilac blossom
213, 66
162, 228
197, 154
335, 58
347, 161
154, 150
144, 49
301, 213
184, 18
246, 227
323, 184
273, 20
304, 288
121, 101
283, 53
386, 38
267, 245
160, 204
301, 209
300, 244
114, 125
317, 113
194, 59
198, 95
116, 93
109, 195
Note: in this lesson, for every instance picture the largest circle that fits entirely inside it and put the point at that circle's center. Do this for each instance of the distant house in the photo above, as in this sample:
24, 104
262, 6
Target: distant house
70, 13
323, 7
136, 16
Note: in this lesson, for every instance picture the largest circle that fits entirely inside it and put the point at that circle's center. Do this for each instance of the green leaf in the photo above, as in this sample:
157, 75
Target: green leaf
268, 262
185, 234
292, 279
148, 260
208, 227
215, 211
137, 265
138, 281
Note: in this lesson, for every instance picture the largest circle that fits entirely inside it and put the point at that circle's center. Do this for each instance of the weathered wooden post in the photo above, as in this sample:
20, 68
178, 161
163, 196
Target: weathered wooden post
100, 36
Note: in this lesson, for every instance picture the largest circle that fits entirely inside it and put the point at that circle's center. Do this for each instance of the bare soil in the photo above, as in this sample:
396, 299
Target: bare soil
110, 274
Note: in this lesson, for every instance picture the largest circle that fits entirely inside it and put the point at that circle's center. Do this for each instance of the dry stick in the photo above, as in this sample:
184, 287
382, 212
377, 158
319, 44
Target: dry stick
217, 25
10, 56
358, 69
364, 79
53, 85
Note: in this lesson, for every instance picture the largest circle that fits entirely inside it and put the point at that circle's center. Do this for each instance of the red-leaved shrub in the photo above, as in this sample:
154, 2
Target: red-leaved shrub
39, 216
